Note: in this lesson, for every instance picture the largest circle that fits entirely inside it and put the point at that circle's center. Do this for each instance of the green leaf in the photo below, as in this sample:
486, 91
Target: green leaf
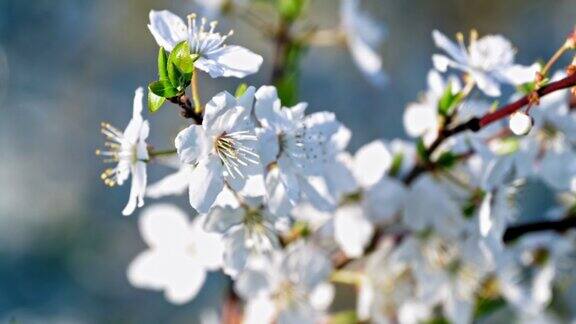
162, 60
163, 88
448, 101
344, 317
154, 101
181, 57
291, 9
240, 90
447, 159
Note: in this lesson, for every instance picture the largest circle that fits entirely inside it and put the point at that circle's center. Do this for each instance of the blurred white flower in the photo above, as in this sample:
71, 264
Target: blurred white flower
294, 148
527, 270
290, 287
421, 118
363, 36
430, 206
128, 149
248, 229
376, 200
214, 56
221, 148
388, 289
488, 60
179, 255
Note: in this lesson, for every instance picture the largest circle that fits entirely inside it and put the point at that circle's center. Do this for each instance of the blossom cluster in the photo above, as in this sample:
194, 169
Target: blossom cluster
421, 228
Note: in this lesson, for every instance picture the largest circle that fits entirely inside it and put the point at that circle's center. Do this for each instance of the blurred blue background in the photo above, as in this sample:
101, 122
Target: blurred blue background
66, 65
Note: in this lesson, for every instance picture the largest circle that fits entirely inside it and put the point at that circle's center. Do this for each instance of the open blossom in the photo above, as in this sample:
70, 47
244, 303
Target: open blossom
214, 56
290, 287
220, 149
363, 36
128, 149
294, 148
489, 61
179, 255
247, 229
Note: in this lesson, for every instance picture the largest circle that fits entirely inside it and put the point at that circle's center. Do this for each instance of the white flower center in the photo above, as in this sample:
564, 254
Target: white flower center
233, 152
117, 150
204, 41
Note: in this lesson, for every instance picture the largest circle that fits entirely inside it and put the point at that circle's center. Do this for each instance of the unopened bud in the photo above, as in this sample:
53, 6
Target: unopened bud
520, 123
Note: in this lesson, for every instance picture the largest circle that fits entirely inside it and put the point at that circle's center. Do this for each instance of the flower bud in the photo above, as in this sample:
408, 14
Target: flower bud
520, 123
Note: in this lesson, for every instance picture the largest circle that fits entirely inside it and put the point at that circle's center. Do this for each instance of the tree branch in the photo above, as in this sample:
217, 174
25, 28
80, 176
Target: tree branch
562, 225
187, 110
476, 124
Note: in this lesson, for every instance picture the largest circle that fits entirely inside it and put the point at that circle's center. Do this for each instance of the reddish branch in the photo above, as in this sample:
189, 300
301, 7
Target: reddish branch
475, 124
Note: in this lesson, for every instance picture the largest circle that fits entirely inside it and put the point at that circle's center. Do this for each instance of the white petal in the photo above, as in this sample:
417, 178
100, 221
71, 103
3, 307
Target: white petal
260, 310
365, 300
519, 74
371, 162
146, 271
352, 230
486, 83
218, 105
137, 188
185, 281
230, 61
206, 183
267, 106
283, 190
420, 118
208, 247
367, 60
191, 144
167, 28
221, 219
252, 283
384, 199
173, 184
235, 252
321, 297
449, 47
485, 215
165, 226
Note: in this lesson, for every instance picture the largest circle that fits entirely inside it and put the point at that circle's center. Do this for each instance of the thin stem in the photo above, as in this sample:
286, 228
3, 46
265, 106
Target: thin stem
153, 153
196, 94
565, 48
562, 225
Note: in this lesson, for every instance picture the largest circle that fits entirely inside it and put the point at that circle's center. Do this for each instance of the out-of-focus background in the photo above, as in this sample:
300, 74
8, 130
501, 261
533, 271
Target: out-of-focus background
66, 65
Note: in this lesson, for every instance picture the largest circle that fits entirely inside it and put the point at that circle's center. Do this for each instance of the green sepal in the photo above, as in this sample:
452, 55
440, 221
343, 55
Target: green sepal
449, 101
163, 88
240, 90
421, 150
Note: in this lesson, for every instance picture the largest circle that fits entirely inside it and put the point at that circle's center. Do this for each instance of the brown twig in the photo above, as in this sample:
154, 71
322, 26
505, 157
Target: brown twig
562, 225
187, 110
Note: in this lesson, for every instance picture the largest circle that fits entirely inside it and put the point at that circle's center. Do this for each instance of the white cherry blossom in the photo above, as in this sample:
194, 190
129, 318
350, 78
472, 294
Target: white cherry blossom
290, 287
489, 60
247, 228
128, 149
221, 148
214, 56
294, 148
